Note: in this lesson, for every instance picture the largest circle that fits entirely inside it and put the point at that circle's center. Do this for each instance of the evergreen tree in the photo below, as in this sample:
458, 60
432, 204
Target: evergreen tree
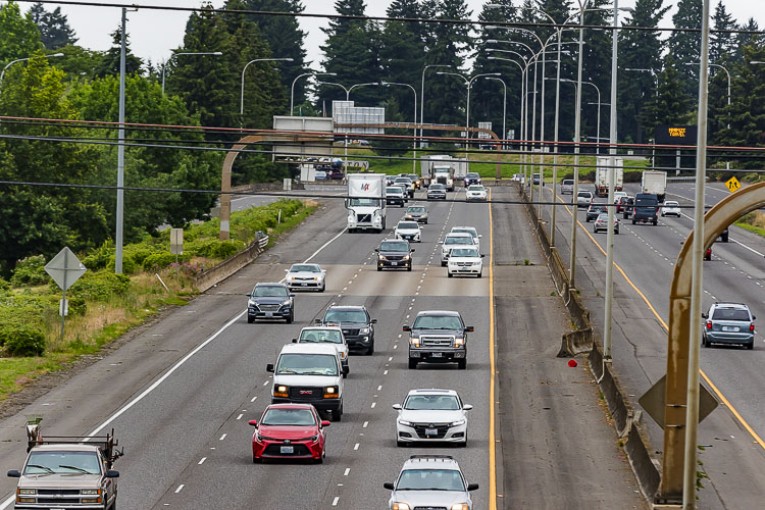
749, 35
284, 36
639, 64
596, 69
685, 42
19, 36
110, 63
54, 27
721, 40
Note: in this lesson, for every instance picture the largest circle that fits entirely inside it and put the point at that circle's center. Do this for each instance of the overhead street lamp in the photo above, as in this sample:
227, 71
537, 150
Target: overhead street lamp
504, 107
241, 97
9, 64
727, 75
414, 123
348, 98
523, 75
164, 66
422, 95
292, 88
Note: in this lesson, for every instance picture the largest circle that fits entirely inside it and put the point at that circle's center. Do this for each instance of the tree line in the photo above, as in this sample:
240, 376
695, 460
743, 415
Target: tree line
427, 44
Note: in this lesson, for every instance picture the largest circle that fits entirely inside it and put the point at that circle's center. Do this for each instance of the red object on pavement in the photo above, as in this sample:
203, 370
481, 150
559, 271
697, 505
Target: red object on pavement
572, 363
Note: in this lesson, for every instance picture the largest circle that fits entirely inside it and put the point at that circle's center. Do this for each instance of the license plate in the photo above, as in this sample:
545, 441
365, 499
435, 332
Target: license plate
304, 284
269, 314
394, 263
437, 355
730, 328
287, 449
431, 432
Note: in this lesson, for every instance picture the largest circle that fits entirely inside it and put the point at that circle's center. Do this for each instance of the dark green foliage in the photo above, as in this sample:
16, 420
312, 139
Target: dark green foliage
215, 248
54, 27
30, 271
19, 36
22, 341
101, 286
5, 286
110, 62
685, 43
157, 261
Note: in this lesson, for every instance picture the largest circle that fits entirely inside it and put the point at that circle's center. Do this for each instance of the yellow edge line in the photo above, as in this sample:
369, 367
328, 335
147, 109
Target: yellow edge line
664, 325
492, 371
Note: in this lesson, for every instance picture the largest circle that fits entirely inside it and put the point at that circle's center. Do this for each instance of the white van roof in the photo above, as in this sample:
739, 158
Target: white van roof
309, 348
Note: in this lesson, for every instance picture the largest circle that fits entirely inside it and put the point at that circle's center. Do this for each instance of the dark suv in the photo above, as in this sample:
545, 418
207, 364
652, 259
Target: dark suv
394, 253
594, 211
646, 209
438, 336
472, 178
358, 327
271, 301
728, 323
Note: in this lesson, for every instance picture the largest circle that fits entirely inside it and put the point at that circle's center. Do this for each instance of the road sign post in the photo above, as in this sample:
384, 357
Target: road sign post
65, 269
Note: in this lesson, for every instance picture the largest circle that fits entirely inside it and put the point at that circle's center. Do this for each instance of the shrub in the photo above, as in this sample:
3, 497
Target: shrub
5, 286
22, 341
30, 271
158, 261
215, 248
99, 286
100, 257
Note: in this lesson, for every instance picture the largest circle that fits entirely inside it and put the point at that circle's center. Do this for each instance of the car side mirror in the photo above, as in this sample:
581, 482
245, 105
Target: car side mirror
482, 255
412, 251
254, 423
467, 407
480, 236
294, 340
754, 318
377, 250
704, 315
397, 407
472, 487
373, 321
292, 295
406, 328
270, 367
111, 473
317, 321
388, 485
14, 473
325, 423
346, 369
469, 329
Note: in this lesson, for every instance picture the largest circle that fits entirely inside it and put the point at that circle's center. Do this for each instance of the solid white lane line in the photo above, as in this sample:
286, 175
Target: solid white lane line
325, 245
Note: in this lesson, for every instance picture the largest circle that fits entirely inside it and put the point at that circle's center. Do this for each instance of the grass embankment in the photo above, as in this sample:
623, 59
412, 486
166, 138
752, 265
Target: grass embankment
103, 306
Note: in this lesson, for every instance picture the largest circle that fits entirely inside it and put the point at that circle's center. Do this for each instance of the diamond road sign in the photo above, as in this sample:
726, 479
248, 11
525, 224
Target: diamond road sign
65, 268
653, 401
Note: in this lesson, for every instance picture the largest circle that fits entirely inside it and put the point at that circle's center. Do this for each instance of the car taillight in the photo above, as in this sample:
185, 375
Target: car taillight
709, 325
751, 327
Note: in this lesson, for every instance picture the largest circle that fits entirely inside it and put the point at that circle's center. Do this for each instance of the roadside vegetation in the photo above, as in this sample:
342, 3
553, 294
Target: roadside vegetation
104, 305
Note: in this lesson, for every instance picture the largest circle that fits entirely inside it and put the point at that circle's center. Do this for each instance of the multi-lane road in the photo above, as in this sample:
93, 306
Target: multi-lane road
179, 391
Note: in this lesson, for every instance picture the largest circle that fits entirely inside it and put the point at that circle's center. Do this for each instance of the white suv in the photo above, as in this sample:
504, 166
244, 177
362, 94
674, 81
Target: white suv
430, 481
464, 261
455, 240
432, 416
473, 233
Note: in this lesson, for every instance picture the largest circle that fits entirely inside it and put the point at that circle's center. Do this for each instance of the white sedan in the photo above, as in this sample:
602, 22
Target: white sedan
432, 416
464, 261
306, 276
670, 208
409, 231
476, 192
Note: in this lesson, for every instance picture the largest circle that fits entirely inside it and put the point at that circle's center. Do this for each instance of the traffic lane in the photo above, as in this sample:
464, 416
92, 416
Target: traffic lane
361, 420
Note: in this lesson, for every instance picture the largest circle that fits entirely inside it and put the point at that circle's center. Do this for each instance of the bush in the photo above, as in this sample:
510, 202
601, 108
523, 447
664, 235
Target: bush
99, 286
29, 272
159, 261
215, 248
22, 341
100, 257
5, 286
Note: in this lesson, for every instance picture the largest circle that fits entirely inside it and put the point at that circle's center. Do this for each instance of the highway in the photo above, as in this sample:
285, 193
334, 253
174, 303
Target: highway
179, 391
731, 438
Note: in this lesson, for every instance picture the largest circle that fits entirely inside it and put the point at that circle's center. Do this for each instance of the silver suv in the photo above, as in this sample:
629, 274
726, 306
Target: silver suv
728, 323
430, 481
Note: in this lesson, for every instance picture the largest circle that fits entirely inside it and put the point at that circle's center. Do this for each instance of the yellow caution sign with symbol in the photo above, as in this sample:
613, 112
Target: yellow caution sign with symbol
732, 184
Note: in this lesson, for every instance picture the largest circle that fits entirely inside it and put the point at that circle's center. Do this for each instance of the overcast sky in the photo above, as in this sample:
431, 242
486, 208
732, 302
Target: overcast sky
154, 34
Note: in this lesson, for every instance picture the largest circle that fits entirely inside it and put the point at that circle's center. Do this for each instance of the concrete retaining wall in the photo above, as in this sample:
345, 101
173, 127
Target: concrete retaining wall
633, 437
228, 267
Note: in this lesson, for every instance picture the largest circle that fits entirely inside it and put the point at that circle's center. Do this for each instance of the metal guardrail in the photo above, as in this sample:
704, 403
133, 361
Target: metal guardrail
262, 239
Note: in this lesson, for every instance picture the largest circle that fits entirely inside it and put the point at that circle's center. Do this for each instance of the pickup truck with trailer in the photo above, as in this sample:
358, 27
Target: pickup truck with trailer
71, 472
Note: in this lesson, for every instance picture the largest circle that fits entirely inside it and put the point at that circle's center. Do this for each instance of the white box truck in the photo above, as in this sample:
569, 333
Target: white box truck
603, 165
655, 183
366, 202
443, 169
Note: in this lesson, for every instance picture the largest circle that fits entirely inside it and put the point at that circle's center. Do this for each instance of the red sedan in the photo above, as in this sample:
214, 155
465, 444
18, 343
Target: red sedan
289, 431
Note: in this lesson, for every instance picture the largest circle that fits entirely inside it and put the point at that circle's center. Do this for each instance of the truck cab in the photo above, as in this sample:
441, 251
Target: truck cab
366, 202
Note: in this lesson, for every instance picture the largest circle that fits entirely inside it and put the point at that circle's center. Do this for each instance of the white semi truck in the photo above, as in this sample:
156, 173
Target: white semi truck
603, 165
655, 183
366, 202
443, 169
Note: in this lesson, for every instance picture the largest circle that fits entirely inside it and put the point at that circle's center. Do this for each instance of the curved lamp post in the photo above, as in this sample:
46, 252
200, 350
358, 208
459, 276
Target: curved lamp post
9, 64
292, 88
241, 96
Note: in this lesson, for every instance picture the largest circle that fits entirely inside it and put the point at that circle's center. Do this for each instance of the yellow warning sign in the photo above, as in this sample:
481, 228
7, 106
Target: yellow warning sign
732, 184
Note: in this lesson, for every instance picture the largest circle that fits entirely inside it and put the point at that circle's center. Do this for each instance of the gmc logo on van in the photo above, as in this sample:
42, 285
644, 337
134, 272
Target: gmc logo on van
306, 392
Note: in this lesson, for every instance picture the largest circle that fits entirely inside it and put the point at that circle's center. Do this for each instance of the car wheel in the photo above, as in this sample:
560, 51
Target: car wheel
662, 215
379, 268
291, 318
655, 222
634, 221
250, 320
480, 275
616, 231
463, 444
449, 275
400, 444
426, 222
371, 349
462, 364
336, 416
412, 363
750, 346
443, 264
409, 267
256, 460
724, 238
704, 342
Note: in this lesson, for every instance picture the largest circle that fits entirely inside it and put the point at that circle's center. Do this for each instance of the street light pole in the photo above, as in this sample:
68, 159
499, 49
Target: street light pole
164, 66
422, 95
292, 88
241, 96
9, 64
504, 107
118, 241
727, 74
414, 138
347, 99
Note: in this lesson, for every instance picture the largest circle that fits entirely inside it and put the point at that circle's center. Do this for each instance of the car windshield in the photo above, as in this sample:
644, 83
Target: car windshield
345, 316
670, 204
646, 201
293, 417
445, 322
331, 336
394, 190
403, 180
364, 202
437, 187
467, 230
63, 462
408, 225
305, 268
432, 402
270, 291
415, 210
458, 240
603, 217
464, 252
585, 194
431, 480
394, 246
306, 364
475, 187
730, 314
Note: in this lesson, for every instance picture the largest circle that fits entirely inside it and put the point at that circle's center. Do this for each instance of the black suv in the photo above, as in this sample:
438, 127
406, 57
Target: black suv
472, 178
358, 327
438, 336
396, 254
646, 209
271, 301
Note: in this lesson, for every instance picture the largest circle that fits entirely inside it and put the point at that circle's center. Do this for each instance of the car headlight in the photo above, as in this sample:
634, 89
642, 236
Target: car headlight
460, 506
400, 506
287, 303
407, 257
405, 423
459, 342
364, 331
330, 392
415, 341
26, 492
281, 391
457, 423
